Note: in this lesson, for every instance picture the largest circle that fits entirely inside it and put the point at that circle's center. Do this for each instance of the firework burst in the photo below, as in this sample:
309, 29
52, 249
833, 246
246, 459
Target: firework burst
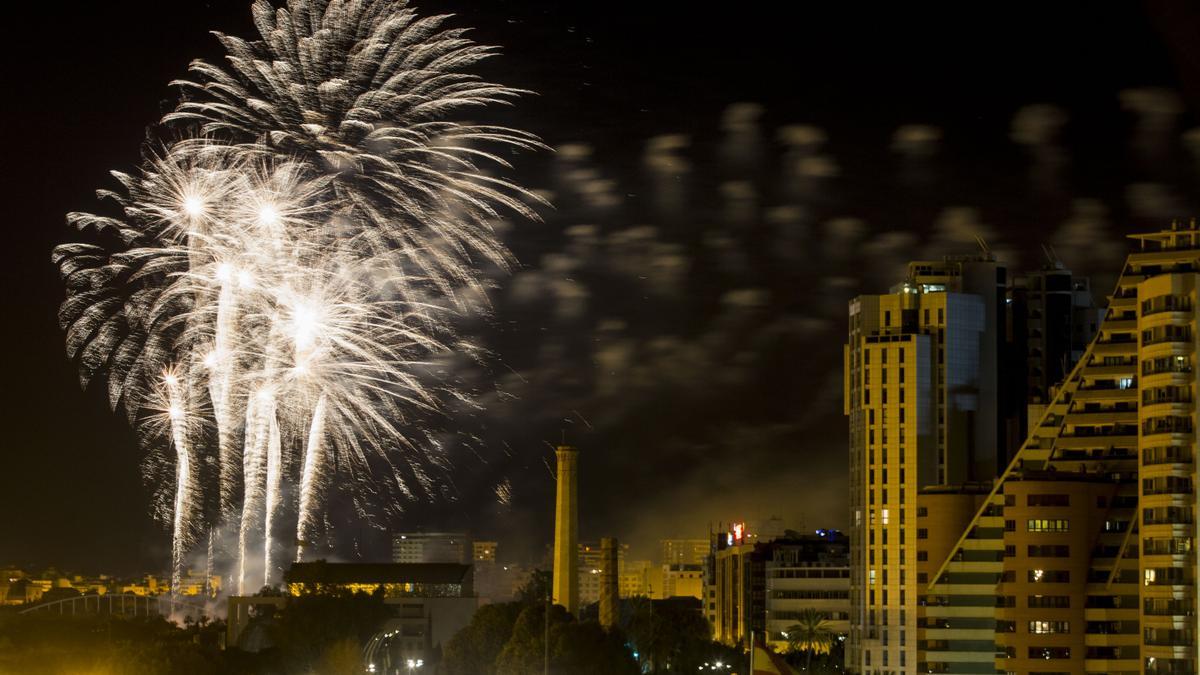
264, 301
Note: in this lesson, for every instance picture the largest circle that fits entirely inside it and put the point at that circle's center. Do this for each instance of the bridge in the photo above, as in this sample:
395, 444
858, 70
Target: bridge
120, 604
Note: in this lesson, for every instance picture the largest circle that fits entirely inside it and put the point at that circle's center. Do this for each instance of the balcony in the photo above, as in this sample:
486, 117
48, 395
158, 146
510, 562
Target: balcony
1119, 348
1177, 455
1105, 394
1090, 417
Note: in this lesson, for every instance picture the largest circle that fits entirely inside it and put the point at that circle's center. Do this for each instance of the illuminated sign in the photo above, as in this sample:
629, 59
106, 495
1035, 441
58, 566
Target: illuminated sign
739, 532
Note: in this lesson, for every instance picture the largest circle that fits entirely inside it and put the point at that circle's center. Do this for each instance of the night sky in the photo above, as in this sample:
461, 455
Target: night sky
723, 182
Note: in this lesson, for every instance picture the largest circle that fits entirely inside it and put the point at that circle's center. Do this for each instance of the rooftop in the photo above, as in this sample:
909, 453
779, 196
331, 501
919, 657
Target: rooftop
322, 572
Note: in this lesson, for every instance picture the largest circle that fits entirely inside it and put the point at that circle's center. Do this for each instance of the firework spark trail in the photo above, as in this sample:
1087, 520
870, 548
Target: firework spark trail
254, 471
183, 477
219, 362
274, 497
310, 481
309, 242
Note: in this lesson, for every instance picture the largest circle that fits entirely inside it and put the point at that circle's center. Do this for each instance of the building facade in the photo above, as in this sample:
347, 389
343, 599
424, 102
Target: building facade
683, 551
432, 547
937, 375
762, 587
1082, 558
1052, 318
922, 397
591, 570
430, 602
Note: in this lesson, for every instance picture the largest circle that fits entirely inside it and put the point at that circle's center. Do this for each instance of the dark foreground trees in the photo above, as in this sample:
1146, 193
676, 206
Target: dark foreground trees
661, 636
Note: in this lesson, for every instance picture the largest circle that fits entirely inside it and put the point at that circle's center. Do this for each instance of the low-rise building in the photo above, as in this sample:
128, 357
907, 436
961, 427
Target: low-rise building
763, 586
431, 601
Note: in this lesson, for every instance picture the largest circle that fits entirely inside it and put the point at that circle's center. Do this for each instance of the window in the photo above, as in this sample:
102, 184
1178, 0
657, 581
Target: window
1047, 525
1047, 500
1049, 652
1049, 602
922, 533
1049, 576
1049, 627
1048, 551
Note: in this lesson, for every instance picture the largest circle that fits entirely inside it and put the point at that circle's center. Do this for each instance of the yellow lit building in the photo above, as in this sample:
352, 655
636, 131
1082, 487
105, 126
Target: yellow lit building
765, 586
590, 566
683, 551
678, 580
921, 394
1082, 557
484, 551
636, 579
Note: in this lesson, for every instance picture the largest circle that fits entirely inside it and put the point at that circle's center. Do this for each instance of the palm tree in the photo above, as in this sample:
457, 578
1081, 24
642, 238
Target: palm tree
810, 634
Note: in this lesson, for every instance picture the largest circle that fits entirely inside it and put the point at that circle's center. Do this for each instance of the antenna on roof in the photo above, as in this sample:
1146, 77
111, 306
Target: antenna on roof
1052, 258
983, 245
1058, 263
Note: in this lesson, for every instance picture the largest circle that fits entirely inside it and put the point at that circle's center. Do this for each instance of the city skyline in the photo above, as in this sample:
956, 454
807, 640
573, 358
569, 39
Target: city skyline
710, 448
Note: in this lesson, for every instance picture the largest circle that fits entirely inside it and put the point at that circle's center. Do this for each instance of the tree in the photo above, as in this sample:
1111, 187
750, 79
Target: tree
810, 634
524, 653
585, 648
310, 625
669, 635
473, 650
343, 657
536, 589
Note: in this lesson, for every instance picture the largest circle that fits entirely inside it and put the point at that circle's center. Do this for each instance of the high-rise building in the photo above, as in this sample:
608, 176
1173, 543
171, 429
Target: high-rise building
922, 397
937, 372
683, 551
1082, 557
565, 583
1052, 318
432, 547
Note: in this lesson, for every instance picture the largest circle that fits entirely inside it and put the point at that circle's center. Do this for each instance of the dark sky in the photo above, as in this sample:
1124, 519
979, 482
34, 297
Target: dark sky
679, 314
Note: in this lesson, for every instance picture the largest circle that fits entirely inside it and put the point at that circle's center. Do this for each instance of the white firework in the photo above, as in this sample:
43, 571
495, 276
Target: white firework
264, 301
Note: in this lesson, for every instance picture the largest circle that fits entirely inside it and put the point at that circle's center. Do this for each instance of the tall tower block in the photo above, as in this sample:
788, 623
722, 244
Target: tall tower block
566, 531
